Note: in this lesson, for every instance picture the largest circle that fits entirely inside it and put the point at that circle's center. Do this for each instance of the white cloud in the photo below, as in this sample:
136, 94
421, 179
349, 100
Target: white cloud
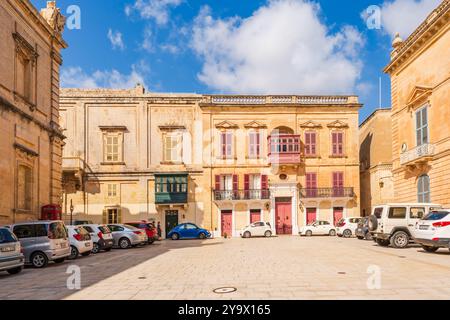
115, 37
157, 10
147, 43
171, 48
282, 48
76, 77
404, 16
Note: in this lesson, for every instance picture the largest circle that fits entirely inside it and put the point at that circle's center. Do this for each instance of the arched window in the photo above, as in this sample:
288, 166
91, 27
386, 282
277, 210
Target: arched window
423, 188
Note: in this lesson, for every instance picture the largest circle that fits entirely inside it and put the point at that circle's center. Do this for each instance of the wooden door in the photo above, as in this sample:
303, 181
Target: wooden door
227, 222
338, 213
283, 217
311, 215
255, 215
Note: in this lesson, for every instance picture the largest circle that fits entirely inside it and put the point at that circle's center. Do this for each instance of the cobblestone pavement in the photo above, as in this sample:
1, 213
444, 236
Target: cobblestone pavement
260, 268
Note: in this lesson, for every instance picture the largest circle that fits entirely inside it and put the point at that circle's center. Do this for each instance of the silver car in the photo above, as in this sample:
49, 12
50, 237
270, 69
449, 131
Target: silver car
126, 236
11, 256
42, 241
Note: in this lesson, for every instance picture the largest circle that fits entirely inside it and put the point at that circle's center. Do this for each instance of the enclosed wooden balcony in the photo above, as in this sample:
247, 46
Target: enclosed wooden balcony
284, 149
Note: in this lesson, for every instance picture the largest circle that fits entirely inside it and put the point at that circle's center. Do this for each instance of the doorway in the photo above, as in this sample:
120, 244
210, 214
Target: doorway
227, 222
338, 213
255, 215
283, 215
171, 220
311, 215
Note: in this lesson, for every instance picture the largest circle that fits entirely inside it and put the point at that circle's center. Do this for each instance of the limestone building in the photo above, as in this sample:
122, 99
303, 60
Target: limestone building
31, 139
218, 161
420, 79
375, 157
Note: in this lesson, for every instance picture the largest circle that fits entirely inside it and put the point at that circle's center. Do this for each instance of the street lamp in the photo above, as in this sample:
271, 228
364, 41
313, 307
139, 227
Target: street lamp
71, 211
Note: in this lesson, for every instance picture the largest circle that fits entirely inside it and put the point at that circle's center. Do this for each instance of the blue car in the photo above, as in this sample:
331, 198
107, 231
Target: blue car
188, 231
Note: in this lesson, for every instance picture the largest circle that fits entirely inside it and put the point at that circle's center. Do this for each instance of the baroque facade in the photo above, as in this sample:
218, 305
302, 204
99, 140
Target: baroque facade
218, 161
30, 165
420, 80
375, 157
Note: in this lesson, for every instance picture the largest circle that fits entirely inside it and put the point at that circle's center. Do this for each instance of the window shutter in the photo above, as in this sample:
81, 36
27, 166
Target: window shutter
258, 143
264, 182
313, 143
105, 216
246, 182
217, 182
334, 143
119, 215
229, 144
235, 182
223, 144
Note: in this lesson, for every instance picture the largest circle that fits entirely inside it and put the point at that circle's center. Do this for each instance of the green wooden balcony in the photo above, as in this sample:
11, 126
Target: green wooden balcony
171, 188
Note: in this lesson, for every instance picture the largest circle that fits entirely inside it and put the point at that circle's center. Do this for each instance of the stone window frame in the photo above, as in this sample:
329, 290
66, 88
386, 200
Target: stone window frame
113, 131
171, 132
25, 157
26, 52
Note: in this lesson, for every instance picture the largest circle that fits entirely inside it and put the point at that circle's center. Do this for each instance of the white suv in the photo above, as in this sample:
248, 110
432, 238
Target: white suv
433, 231
346, 227
394, 223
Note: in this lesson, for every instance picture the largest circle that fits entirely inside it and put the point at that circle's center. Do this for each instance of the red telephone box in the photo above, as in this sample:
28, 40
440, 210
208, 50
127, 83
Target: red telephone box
51, 212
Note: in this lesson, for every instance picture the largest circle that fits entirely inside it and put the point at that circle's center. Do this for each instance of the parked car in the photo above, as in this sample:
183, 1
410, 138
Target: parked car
149, 229
101, 237
11, 256
394, 223
362, 230
319, 227
188, 231
81, 222
346, 227
80, 242
126, 236
257, 229
42, 241
433, 231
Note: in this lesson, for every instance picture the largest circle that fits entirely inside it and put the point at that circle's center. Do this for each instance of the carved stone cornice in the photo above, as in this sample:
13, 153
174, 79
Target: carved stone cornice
255, 125
24, 49
338, 125
310, 125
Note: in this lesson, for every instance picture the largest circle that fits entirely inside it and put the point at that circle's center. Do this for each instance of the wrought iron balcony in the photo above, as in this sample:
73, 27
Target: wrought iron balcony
422, 153
259, 194
327, 193
284, 149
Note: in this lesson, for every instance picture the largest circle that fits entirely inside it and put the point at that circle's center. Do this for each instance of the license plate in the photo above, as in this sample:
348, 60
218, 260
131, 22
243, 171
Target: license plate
7, 249
87, 244
63, 245
423, 227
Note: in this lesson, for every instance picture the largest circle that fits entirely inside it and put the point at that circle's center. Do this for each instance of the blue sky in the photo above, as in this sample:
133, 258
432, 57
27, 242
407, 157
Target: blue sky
237, 46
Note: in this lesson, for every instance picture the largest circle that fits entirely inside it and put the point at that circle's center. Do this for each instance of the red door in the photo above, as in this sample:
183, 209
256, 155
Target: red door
283, 216
311, 215
338, 213
255, 215
227, 218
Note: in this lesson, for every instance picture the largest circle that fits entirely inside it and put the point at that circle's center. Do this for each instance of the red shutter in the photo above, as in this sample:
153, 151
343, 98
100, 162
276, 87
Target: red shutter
235, 182
246, 182
307, 143
264, 182
217, 188
258, 139
313, 143
334, 142
340, 141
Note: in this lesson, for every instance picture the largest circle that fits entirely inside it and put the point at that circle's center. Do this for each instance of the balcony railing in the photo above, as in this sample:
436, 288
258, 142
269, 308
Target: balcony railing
421, 153
221, 195
72, 163
327, 193
284, 149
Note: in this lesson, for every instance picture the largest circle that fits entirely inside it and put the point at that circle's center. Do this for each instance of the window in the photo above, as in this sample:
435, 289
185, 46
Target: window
112, 215
337, 143
190, 226
113, 142
310, 143
338, 183
7, 236
173, 147
416, 213
112, 190
25, 68
24, 188
397, 212
25, 231
378, 212
421, 127
423, 189
254, 146
171, 184
226, 145
311, 184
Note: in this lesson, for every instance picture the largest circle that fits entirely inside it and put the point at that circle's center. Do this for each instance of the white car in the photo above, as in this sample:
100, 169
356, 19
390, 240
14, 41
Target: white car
80, 242
346, 227
257, 229
433, 231
318, 228
101, 236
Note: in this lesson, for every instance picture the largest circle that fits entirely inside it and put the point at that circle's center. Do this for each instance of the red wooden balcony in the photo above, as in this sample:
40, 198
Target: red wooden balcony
284, 149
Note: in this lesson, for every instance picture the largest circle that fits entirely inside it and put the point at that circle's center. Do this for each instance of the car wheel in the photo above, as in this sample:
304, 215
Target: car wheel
347, 233
400, 240
15, 270
124, 243
247, 234
202, 235
332, 233
360, 238
39, 260
85, 254
308, 233
95, 248
268, 234
430, 249
61, 260
175, 236
73, 253
373, 223
381, 242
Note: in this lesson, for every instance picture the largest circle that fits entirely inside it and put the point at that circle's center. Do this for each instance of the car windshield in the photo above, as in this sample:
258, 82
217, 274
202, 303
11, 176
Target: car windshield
130, 227
56, 230
436, 215
104, 229
7, 237
378, 212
